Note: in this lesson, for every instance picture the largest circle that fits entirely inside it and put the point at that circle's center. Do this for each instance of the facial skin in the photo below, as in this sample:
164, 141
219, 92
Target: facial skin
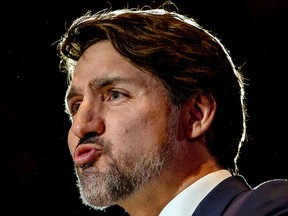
123, 127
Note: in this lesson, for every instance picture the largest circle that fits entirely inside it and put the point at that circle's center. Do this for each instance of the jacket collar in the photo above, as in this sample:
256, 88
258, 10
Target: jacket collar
219, 198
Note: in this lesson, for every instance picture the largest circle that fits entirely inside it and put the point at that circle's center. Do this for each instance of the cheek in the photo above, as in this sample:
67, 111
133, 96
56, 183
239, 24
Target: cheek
141, 130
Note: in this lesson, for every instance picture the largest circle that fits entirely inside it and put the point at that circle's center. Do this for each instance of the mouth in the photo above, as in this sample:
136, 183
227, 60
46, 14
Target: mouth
86, 154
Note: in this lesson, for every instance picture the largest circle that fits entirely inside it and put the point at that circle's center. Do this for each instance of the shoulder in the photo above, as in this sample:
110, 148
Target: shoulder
273, 187
268, 198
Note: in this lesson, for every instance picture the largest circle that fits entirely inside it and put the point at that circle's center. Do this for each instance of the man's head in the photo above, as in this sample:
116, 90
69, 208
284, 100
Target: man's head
134, 76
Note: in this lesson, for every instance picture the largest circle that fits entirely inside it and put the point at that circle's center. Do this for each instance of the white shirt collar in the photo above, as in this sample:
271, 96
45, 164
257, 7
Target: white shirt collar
186, 202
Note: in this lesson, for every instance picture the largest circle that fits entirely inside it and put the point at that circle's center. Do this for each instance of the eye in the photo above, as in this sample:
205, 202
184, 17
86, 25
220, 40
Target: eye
74, 107
115, 95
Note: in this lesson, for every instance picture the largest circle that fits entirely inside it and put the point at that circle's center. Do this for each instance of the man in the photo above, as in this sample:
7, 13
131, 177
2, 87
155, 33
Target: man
158, 117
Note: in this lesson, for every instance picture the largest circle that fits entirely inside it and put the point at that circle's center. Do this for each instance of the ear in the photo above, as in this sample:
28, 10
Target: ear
199, 115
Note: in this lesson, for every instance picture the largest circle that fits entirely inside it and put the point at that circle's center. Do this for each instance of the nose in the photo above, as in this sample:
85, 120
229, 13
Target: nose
88, 119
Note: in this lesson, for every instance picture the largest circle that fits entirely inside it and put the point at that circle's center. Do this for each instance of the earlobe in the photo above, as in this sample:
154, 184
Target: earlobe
202, 109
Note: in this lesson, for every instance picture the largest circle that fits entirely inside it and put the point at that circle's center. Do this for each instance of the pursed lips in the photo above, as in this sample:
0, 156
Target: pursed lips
86, 153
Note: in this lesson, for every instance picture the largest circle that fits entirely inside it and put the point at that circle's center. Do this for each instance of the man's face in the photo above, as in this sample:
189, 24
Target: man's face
123, 126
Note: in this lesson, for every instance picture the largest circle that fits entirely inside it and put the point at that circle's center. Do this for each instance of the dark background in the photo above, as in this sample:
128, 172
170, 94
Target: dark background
37, 174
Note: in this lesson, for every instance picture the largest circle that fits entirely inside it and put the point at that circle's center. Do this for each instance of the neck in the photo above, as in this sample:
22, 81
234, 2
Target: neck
154, 196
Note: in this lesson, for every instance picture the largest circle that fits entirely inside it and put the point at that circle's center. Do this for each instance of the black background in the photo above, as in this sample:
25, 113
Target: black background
37, 174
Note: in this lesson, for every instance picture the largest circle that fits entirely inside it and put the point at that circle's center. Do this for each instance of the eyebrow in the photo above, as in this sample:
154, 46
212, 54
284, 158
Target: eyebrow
95, 84
103, 82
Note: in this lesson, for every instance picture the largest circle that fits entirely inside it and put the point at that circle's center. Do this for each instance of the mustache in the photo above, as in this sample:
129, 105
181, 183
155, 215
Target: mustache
93, 138
90, 138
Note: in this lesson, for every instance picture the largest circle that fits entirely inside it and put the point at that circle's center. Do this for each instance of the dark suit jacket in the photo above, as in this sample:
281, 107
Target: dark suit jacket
234, 196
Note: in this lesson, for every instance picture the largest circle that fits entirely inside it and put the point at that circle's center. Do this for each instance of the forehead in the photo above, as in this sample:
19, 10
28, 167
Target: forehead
99, 56
102, 61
